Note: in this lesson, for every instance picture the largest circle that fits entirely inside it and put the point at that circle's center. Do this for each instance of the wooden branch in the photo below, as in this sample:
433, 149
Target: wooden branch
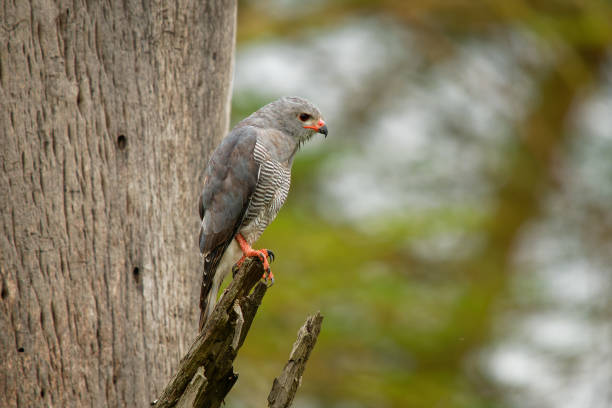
205, 375
286, 385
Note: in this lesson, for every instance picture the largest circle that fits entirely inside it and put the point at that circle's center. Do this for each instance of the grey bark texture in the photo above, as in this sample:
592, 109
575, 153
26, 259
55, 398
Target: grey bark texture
285, 385
108, 113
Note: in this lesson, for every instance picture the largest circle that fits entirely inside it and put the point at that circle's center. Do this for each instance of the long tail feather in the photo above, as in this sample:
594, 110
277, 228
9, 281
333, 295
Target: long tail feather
210, 284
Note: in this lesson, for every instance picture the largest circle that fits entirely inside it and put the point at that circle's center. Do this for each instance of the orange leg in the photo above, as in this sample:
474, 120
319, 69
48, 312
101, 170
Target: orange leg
262, 254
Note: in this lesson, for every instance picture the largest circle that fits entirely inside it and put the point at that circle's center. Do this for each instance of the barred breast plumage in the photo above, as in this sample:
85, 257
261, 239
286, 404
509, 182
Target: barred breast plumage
270, 193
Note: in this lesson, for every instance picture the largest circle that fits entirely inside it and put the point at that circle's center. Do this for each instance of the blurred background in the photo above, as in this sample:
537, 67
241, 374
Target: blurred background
455, 228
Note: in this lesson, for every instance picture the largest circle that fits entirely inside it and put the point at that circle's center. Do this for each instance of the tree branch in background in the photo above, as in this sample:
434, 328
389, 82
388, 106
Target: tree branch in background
205, 374
285, 385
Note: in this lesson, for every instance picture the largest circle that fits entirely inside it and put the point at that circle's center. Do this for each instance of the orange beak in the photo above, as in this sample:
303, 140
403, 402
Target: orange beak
320, 127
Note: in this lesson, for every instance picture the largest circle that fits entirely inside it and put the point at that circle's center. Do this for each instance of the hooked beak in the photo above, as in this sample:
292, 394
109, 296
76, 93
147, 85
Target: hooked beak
320, 127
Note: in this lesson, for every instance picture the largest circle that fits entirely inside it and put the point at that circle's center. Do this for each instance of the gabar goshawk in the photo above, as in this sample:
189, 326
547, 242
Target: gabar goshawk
246, 183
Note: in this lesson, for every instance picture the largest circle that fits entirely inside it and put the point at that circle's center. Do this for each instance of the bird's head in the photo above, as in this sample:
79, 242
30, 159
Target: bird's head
297, 118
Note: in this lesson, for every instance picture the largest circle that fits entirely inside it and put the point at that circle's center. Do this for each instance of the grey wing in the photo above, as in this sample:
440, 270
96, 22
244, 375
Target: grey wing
231, 177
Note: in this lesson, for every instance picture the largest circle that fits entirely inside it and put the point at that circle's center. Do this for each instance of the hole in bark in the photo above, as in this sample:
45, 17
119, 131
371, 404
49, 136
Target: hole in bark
3, 292
136, 274
20, 349
121, 142
42, 393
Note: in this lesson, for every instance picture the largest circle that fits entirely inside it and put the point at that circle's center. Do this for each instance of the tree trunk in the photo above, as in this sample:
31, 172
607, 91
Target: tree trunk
109, 110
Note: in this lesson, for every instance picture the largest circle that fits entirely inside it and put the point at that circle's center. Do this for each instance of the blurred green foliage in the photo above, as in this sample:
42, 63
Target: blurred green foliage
400, 330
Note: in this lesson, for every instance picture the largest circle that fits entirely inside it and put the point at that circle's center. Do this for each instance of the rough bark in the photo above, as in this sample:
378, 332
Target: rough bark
109, 111
285, 385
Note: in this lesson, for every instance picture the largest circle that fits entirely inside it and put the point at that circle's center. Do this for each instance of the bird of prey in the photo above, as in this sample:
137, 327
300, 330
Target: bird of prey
246, 183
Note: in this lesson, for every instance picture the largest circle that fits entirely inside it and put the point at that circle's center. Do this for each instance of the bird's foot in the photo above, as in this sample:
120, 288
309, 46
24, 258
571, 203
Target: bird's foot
265, 255
268, 278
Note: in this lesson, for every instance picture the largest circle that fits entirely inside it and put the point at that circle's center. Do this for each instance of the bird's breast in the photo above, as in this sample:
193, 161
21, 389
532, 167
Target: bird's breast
267, 199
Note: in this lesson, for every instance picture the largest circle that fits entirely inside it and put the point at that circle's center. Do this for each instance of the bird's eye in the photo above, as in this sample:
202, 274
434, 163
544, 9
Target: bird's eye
304, 117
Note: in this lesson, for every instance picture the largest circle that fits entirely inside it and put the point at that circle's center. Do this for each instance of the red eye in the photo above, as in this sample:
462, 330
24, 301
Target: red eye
304, 117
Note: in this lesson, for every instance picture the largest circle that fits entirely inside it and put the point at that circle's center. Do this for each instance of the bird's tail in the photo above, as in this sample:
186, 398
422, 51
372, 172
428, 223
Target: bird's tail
217, 264
208, 294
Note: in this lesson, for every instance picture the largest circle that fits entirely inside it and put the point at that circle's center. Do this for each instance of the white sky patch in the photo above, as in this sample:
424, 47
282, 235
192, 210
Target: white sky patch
416, 159
519, 366
577, 282
594, 116
325, 68
447, 246
559, 332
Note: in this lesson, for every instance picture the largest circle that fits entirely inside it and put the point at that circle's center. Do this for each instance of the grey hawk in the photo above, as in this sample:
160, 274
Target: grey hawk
246, 183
